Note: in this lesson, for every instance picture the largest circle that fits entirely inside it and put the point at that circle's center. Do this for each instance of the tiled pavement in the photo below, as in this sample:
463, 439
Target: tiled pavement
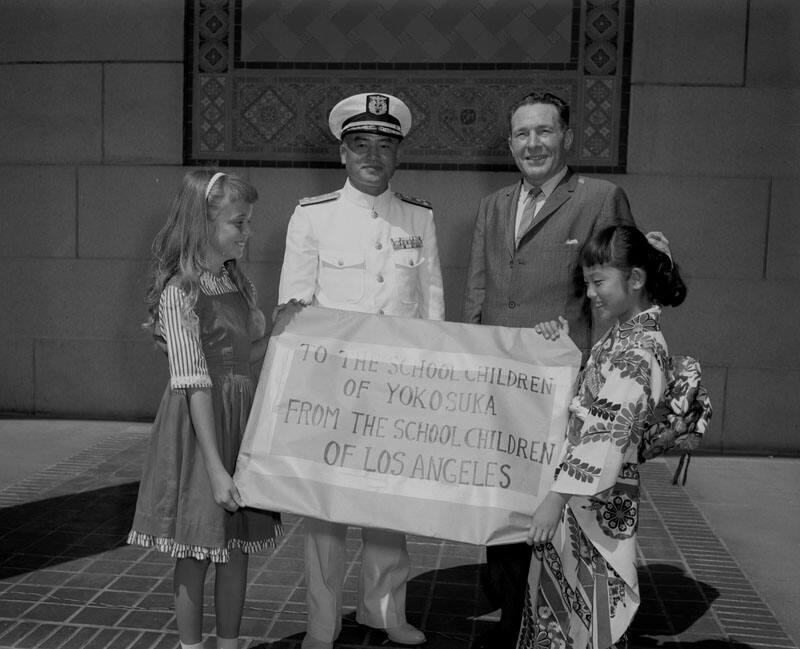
67, 579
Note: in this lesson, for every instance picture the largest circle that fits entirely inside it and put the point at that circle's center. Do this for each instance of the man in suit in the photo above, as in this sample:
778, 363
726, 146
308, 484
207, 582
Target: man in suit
523, 270
362, 248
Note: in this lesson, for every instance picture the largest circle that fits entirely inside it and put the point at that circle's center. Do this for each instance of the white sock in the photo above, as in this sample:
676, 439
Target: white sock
198, 645
227, 643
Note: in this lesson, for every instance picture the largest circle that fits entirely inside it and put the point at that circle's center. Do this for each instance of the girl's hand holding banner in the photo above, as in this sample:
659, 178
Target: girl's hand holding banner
433, 428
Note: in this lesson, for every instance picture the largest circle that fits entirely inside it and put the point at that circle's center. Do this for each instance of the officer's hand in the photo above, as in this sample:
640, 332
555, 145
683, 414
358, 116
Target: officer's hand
279, 309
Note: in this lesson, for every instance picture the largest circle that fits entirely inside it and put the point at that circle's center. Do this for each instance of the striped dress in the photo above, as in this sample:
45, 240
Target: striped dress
175, 510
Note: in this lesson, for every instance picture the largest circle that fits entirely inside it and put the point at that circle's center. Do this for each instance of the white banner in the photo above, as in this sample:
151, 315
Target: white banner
434, 428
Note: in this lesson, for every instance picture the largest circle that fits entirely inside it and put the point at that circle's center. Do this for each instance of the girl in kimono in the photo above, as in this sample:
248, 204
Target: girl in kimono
203, 308
582, 586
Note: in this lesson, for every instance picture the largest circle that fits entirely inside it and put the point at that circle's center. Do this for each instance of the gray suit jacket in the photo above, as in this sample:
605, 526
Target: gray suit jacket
539, 280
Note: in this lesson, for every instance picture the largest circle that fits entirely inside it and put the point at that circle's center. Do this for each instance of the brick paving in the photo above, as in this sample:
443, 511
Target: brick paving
69, 581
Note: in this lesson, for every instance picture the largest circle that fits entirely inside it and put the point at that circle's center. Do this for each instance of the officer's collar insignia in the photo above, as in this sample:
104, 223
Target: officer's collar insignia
406, 243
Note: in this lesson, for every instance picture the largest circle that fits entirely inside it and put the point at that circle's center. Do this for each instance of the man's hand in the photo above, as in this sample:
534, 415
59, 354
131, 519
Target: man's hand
553, 329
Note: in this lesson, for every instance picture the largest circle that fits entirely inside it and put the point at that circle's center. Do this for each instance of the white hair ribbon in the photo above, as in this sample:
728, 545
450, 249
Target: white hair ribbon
660, 243
211, 182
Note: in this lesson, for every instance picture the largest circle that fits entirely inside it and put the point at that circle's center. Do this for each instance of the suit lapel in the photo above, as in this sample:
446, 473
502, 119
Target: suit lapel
561, 194
508, 216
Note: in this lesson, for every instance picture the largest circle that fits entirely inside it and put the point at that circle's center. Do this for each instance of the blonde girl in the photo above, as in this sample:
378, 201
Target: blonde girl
203, 309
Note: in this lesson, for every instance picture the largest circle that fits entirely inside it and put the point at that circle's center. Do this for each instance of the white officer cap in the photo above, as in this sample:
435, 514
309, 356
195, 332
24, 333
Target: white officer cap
370, 112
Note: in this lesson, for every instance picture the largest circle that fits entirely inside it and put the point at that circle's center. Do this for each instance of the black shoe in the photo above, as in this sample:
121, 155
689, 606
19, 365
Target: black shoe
495, 637
487, 639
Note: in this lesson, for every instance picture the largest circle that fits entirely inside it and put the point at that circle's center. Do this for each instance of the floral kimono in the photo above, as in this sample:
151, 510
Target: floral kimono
582, 587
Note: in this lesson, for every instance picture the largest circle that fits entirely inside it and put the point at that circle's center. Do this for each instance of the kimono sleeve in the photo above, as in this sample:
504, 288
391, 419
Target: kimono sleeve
187, 363
605, 434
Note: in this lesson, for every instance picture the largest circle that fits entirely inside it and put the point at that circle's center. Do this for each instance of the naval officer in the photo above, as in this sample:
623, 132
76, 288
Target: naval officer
362, 248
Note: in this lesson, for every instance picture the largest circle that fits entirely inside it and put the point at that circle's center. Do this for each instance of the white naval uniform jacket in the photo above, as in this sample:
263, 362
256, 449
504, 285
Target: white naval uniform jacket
374, 254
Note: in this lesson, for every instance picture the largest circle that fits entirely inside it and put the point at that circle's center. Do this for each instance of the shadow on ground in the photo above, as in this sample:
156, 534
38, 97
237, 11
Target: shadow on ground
668, 609
448, 602
650, 643
672, 603
46, 532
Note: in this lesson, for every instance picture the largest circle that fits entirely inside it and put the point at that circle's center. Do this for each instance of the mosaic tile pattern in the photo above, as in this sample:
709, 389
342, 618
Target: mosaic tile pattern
417, 31
262, 77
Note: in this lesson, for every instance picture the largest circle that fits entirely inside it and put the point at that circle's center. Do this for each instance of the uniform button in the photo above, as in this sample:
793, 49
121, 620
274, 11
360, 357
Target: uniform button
378, 246
341, 262
410, 262
380, 279
380, 311
512, 304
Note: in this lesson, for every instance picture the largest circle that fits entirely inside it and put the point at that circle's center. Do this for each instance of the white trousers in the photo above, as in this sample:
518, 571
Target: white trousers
385, 568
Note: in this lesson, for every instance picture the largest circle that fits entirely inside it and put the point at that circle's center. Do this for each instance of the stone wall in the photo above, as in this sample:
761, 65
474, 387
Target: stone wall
91, 132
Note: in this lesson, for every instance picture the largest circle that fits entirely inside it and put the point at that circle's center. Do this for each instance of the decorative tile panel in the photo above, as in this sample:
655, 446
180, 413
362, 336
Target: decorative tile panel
262, 76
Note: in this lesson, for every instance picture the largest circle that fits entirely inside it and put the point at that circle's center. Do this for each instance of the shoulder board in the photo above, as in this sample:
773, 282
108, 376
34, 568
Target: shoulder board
413, 201
323, 198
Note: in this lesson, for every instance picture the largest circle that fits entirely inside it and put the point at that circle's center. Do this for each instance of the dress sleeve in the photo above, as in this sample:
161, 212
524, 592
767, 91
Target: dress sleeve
187, 363
605, 432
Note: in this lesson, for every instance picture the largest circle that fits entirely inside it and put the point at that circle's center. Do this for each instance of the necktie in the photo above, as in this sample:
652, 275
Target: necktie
527, 212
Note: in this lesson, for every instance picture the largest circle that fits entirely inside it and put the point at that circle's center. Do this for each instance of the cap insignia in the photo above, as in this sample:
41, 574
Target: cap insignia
377, 104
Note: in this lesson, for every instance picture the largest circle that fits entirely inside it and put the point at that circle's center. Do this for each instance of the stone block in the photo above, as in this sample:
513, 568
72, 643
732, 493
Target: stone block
455, 198
717, 227
761, 411
773, 44
51, 113
700, 42
737, 323
38, 217
143, 113
783, 253
738, 132
91, 30
279, 190
75, 298
16, 375
453, 279
714, 380
121, 208
117, 379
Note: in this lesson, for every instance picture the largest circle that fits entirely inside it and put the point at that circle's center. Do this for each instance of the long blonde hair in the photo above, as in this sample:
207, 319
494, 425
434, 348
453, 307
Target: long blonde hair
178, 248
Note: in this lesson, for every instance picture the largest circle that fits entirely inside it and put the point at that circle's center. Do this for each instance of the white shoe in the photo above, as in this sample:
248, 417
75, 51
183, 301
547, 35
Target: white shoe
406, 634
310, 642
